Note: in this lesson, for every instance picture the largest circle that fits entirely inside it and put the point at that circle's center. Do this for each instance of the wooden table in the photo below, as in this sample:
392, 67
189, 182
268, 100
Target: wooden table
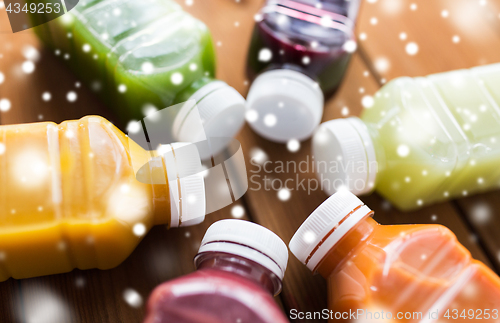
450, 34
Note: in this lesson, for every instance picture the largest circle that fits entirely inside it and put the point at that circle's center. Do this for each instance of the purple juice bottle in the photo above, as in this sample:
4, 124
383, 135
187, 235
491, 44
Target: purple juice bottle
298, 55
240, 266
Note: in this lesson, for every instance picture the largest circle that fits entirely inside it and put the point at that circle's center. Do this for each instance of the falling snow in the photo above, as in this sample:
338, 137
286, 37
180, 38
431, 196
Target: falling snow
293, 145
270, 120
284, 194
411, 48
139, 229
350, 46
309, 237
71, 96
265, 55
28, 67
251, 115
403, 150
237, 211
46, 96
31, 53
367, 101
2, 78
176, 78
5, 105
258, 155
382, 64
133, 126
122, 88
481, 213
147, 67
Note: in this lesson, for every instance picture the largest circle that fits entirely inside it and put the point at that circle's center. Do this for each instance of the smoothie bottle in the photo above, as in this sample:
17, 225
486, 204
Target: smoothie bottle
143, 56
388, 273
424, 140
69, 197
299, 53
240, 266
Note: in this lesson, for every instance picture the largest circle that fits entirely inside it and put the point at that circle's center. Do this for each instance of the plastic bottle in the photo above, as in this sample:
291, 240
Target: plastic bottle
69, 197
423, 140
385, 273
240, 266
299, 51
142, 56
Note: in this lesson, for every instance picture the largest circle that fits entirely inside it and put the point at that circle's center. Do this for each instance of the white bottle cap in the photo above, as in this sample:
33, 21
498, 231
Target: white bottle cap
222, 111
186, 184
248, 240
284, 105
344, 156
326, 226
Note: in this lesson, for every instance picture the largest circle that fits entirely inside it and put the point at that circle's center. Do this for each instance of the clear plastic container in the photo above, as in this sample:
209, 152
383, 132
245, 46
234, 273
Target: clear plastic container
299, 49
424, 140
240, 266
69, 197
385, 273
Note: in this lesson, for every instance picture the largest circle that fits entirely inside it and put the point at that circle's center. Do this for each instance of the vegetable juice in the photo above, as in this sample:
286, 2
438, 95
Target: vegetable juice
424, 140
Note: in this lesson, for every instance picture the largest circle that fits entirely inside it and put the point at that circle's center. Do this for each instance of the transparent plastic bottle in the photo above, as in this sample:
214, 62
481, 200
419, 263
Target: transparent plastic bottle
424, 140
240, 266
142, 56
69, 197
386, 273
299, 52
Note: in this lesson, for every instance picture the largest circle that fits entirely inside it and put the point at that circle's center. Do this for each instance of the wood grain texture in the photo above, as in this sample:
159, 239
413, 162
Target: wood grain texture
97, 296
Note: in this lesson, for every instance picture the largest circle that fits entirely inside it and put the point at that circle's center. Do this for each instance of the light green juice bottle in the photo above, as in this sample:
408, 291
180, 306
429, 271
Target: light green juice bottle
424, 140
142, 56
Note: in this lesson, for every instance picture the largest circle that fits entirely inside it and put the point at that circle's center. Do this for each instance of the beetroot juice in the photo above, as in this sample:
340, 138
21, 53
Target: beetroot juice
240, 266
299, 53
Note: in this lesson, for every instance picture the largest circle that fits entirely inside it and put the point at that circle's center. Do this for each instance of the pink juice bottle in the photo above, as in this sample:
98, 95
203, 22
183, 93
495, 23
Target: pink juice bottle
240, 266
299, 53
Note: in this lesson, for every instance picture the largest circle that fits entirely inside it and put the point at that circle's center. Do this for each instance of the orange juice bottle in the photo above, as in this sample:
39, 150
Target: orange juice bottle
69, 197
386, 273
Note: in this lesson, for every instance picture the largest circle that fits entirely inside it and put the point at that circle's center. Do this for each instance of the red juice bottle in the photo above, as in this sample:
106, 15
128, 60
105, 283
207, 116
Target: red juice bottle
240, 266
299, 53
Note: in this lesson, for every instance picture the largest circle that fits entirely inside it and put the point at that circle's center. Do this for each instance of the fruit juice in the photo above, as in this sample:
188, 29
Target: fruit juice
227, 286
69, 197
305, 44
418, 271
431, 138
298, 38
143, 56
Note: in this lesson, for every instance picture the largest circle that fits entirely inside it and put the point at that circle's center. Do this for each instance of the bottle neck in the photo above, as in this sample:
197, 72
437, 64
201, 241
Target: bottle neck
349, 245
161, 191
240, 266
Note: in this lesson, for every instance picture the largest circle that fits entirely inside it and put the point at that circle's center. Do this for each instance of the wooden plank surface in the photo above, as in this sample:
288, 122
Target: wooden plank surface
97, 296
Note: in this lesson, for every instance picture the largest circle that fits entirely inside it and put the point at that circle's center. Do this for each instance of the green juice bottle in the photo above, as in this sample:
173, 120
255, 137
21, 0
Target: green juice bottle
424, 140
143, 56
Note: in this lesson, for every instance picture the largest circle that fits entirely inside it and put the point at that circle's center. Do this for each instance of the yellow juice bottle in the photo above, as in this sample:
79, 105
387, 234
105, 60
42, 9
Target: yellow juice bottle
69, 196
424, 140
